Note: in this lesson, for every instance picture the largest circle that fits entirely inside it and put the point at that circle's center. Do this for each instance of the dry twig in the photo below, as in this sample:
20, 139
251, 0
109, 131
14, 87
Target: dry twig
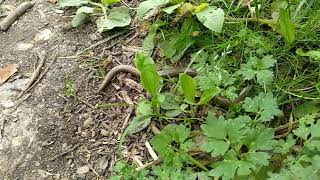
14, 15
63, 153
35, 74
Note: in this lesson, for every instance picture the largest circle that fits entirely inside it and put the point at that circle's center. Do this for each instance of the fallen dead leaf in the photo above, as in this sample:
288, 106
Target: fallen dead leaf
7, 72
53, 1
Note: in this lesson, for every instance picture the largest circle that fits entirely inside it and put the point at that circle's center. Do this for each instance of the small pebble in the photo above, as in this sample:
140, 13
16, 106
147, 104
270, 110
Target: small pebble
83, 170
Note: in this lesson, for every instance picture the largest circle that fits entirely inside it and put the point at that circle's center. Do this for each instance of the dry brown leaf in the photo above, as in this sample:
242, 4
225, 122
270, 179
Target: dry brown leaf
53, 1
7, 72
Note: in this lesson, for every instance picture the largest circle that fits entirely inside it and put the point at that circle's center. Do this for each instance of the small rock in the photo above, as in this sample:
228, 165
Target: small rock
17, 141
43, 35
83, 170
88, 123
104, 132
24, 46
37, 163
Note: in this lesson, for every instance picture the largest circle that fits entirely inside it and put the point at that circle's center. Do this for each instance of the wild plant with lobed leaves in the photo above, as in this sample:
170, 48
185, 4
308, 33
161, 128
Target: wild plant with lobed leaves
274, 133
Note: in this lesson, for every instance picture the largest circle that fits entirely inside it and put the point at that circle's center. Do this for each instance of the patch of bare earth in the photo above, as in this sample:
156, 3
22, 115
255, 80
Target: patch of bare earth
49, 135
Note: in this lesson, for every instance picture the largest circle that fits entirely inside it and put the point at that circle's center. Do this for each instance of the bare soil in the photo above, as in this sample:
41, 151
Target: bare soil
51, 135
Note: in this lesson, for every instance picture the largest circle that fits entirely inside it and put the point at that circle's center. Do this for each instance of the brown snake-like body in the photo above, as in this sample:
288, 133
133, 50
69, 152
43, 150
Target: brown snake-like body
167, 74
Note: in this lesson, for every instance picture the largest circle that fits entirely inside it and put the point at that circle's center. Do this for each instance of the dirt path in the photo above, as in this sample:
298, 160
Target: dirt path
49, 136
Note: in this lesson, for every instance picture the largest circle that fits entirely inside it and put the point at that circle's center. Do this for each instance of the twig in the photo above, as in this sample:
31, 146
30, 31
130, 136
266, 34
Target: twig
63, 153
148, 165
118, 40
151, 151
100, 42
42, 75
85, 102
2, 127
34, 75
14, 15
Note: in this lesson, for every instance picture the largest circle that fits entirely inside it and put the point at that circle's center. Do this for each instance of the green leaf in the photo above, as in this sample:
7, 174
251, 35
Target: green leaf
173, 143
287, 26
259, 68
315, 130
226, 169
148, 43
118, 17
144, 108
308, 107
188, 86
211, 18
148, 73
260, 139
312, 53
215, 128
264, 105
170, 9
237, 128
207, 95
138, 124
66, 3
81, 16
302, 132
283, 147
259, 158
110, 2
146, 6
215, 147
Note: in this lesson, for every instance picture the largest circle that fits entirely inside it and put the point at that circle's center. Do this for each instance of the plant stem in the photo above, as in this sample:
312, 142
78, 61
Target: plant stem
200, 165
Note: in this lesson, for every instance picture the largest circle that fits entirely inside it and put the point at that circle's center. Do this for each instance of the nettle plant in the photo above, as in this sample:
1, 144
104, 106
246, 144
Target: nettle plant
108, 18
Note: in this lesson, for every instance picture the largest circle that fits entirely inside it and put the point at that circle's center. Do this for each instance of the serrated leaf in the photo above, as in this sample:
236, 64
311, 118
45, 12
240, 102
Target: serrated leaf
264, 105
211, 18
302, 132
237, 128
118, 17
207, 95
66, 3
315, 130
245, 168
283, 147
225, 169
286, 26
260, 139
215, 147
188, 86
215, 128
259, 158
146, 6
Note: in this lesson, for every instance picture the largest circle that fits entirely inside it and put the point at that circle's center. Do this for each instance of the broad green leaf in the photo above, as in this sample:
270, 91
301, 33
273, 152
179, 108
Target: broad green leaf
146, 6
306, 108
211, 18
144, 108
109, 2
215, 128
312, 53
118, 17
81, 16
149, 76
138, 124
65, 3
224, 169
287, 26
188, 86
170, 9
207, 95
303, 132
148, 43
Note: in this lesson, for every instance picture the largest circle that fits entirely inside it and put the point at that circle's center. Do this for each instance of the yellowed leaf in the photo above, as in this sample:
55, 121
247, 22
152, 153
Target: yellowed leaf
7, 72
